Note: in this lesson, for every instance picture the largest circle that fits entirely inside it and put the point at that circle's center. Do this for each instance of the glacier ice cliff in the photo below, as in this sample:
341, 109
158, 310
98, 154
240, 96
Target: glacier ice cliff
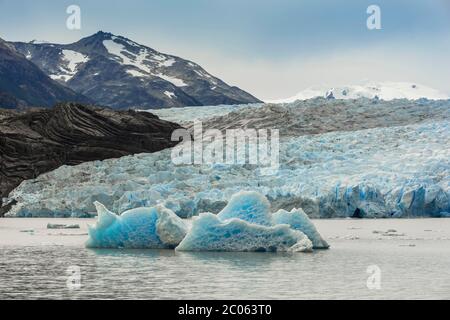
371, 160
141, 228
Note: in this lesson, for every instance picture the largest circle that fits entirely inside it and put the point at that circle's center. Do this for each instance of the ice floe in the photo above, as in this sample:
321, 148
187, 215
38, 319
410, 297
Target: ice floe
141, 228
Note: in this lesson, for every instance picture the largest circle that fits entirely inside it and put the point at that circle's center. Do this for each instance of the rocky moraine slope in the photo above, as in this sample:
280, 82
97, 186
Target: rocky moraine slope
41, 140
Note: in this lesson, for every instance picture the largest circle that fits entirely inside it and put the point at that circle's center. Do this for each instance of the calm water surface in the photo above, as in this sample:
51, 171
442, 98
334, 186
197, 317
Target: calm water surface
421, 271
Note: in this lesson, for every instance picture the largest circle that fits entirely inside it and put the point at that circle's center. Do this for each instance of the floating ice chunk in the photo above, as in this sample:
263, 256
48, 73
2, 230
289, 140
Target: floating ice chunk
246, 224
248, 206
142, 228
209, 233
298, 220
63, 226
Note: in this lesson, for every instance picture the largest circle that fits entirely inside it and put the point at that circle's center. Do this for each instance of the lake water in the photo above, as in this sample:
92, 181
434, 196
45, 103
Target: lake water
412, 262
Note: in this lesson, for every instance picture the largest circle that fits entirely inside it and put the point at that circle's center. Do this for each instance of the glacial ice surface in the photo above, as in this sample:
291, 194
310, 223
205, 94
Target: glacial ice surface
141, 228
379, 160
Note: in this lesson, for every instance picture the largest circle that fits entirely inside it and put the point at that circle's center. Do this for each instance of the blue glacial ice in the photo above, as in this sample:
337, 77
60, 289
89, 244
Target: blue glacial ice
142, 228
245, 224
251, 207
298, 220
209, 233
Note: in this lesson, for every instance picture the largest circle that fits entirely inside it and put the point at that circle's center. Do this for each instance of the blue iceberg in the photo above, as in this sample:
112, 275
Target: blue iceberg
248, 206
298, 220
142, 228
246, 224
209, 233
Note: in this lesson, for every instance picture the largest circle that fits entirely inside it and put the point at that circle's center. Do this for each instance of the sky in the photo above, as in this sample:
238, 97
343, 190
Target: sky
270, 48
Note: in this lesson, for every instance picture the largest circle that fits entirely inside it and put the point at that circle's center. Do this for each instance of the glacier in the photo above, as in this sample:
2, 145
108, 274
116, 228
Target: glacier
209, 233
141, 228
338, 159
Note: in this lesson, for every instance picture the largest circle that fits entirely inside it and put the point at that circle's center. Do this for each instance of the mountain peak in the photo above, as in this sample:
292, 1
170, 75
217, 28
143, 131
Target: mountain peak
98, 65
102, 34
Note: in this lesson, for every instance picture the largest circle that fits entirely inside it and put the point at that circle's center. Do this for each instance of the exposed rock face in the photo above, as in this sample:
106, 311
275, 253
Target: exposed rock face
117, 72
40, 140
23, 84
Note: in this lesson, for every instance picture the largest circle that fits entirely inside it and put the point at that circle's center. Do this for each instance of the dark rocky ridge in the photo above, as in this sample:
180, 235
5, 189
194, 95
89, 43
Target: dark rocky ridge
41, 140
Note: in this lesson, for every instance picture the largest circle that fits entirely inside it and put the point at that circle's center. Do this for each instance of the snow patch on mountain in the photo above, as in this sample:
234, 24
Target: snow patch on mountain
170, 94
126, 57
382, 90
141, 62
71, 61
175, 81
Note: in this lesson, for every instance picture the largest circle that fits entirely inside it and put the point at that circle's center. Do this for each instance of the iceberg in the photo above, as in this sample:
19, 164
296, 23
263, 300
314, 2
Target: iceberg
246, 224
251, 207
209, 233
298, 220
142, 228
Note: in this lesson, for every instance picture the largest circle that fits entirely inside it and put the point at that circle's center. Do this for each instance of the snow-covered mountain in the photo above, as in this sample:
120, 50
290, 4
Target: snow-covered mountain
382, 90
118, 72
23, 84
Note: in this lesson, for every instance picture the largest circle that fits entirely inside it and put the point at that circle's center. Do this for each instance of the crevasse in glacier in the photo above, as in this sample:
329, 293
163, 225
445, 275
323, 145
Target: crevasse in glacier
152, 228
246, 224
